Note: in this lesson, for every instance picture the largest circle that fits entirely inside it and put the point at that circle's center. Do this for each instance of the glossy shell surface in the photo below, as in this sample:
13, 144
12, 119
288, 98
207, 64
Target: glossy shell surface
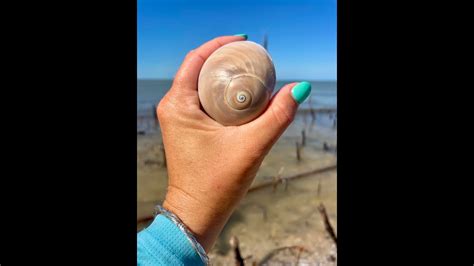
236, 83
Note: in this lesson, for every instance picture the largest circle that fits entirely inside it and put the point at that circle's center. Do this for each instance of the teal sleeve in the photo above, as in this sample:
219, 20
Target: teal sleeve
163, 243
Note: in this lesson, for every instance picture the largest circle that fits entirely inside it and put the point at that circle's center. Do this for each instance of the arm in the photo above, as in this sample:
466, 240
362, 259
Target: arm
210, 166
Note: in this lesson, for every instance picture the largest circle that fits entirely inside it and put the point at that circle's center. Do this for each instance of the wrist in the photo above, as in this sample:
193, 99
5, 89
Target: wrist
204, 221
173, 219
205, 208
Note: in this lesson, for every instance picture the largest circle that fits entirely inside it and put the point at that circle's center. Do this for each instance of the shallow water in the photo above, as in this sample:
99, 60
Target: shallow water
266, 219
150, 92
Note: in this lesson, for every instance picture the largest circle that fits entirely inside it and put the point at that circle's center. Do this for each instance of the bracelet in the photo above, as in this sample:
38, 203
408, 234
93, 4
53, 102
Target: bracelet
194, 243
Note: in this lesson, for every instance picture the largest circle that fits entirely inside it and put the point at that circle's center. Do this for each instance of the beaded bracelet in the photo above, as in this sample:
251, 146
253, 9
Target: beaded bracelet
194, 243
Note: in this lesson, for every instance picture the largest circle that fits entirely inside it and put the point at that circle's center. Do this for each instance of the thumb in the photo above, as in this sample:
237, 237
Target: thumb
280, 112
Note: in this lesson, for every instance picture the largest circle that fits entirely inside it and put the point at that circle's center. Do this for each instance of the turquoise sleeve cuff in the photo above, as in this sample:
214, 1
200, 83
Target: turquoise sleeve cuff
163, 243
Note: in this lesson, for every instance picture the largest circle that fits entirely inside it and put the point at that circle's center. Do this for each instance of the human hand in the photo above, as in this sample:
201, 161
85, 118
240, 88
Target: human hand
211, 166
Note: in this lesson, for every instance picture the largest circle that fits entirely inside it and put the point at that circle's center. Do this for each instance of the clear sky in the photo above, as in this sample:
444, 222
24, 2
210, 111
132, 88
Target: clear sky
301, 34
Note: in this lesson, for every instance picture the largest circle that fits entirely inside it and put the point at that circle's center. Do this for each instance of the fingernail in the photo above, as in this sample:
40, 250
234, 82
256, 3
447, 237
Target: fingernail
301, 91
242, 35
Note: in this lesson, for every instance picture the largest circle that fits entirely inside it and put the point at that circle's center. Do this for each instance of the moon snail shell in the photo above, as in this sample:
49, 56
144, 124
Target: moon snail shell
236, 83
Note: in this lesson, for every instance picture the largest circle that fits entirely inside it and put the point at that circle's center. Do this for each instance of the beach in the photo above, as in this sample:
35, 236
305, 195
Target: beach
278, 222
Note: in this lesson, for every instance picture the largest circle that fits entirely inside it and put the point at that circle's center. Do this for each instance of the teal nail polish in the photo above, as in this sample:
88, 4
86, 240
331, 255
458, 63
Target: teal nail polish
301, 91
242, 35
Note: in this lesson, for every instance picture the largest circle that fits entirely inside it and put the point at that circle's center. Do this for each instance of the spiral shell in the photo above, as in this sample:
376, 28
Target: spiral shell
236, 83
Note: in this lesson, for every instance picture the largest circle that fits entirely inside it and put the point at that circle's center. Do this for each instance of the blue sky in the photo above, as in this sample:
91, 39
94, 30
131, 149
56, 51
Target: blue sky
301, 34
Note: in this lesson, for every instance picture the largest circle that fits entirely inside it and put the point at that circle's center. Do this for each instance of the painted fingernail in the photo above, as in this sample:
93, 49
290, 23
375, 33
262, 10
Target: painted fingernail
242, 35
301, 91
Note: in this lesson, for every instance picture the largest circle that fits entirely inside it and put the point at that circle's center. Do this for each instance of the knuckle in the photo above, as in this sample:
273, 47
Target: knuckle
162, 110
189, 54
282, 114
218, 41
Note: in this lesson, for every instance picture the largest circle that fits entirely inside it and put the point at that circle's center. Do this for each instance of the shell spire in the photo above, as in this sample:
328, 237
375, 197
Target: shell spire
236, 82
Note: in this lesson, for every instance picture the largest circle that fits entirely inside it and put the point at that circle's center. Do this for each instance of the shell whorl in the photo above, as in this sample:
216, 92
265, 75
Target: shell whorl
236, 83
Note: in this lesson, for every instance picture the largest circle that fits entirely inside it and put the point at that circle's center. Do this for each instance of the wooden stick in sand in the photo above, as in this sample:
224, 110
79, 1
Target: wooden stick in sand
298, 151
303, 137
311, 110
304, 174
299, 249
234, 243
327, 224
277, 179
304, 119
325, 146
313, 114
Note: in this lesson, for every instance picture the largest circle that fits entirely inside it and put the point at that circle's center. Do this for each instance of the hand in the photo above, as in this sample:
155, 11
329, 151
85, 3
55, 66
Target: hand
211, 166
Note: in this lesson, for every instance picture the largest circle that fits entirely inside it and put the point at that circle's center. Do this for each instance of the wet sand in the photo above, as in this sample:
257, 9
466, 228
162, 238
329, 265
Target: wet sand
266, 219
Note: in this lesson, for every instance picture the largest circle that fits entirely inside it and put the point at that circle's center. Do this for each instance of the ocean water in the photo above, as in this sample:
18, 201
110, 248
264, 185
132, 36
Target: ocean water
150, 92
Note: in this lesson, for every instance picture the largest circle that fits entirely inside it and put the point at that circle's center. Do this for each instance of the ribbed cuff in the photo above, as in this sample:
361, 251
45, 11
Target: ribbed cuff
162, 243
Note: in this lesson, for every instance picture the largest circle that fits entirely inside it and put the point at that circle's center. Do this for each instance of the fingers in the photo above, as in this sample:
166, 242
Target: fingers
188, 74
280, 112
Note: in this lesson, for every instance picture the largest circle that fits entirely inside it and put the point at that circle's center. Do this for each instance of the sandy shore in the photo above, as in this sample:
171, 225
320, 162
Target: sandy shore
267, 220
